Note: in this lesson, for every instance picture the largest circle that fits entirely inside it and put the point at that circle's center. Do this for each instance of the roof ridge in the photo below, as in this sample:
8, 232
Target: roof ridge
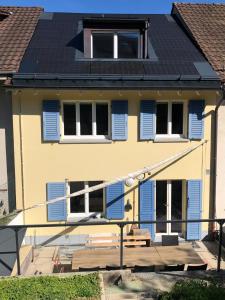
20, 7
197, 4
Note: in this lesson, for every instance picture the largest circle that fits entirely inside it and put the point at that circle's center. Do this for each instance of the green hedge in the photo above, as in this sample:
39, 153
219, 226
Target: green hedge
50, 288
195, 290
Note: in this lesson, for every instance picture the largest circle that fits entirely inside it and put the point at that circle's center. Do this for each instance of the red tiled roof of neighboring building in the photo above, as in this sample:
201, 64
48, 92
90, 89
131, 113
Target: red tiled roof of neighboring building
206, 23
16, 29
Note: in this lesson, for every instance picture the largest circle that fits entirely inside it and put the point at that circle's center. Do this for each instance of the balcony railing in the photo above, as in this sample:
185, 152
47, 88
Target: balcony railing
121, 225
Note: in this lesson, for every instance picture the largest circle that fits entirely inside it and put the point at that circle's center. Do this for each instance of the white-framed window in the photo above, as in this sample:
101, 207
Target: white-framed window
170, 118
116, 44
169, 205
86, 119
88, 204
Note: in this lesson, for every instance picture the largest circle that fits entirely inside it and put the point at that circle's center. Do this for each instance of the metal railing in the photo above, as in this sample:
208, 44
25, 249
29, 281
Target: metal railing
121, 225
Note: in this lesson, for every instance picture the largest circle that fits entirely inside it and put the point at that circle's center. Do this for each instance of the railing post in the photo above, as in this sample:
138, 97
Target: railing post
17, 251
220, 245
121, 245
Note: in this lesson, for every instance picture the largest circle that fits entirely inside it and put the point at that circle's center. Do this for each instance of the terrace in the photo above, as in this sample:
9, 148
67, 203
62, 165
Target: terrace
49, 258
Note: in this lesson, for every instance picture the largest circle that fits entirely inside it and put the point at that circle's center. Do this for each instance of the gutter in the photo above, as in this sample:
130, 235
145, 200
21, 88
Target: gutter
4, 75
114, 77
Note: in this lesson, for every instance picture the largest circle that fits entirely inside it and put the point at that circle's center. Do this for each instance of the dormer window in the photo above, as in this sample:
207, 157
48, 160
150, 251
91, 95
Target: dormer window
120, 44
129, 44
106, 38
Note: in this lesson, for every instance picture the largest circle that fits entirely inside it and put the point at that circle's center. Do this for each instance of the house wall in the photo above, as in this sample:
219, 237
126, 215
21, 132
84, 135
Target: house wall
7, 184
220, 187
51, 162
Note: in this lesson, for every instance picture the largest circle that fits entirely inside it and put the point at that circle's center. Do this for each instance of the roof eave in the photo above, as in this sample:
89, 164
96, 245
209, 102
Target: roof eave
115, 84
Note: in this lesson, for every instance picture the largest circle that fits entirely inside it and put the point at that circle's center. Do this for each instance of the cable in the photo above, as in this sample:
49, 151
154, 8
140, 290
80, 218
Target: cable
123, 178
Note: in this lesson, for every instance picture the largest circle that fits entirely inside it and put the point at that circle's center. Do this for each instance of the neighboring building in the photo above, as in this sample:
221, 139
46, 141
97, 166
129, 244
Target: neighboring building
206, 26
99, 96
16, 28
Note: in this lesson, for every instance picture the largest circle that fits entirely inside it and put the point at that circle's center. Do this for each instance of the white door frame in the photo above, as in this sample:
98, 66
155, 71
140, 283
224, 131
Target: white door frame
168, 210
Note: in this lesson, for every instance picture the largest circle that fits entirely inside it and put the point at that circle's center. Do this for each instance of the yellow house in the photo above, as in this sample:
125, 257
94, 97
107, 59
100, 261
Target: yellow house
99, 97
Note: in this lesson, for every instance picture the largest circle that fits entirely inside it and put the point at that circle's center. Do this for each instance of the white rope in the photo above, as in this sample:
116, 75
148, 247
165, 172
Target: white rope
123, 178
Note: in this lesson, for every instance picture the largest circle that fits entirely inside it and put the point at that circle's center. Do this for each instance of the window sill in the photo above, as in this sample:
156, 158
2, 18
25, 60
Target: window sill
85, 141
113, 59
85, 219
170, 140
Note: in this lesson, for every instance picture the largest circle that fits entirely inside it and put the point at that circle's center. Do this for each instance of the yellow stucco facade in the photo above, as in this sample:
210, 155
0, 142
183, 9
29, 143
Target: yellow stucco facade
38, 162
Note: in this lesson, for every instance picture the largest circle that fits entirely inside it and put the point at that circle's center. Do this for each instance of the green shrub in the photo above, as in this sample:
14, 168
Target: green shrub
195, 290
50, 288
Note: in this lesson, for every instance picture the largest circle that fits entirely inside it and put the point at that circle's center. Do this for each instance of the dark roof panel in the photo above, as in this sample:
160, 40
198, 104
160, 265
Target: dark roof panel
57, 47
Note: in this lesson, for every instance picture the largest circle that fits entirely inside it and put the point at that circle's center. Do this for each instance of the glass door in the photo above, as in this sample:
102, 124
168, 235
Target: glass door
176, 206
161, 206
168, 206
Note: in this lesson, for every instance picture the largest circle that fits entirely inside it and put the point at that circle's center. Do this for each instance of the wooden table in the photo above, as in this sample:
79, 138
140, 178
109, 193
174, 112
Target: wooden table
146, 256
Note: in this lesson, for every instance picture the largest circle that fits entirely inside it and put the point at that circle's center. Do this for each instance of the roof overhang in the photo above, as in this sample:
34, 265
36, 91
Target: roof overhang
113, 81
110, 22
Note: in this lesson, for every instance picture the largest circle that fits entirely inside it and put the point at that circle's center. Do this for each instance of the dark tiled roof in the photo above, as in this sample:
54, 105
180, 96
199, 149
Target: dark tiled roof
206, 24
57, 48
16, 29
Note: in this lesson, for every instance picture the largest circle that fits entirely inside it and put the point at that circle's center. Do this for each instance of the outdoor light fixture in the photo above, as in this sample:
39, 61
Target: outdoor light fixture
129, 181
128, 206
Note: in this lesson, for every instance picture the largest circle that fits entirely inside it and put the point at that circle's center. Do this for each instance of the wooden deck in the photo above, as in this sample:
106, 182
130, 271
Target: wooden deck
144, 256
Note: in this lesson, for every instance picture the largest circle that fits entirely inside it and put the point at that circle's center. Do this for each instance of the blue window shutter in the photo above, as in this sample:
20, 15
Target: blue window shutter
147, 205
196, 119
119, 120
147, 119
115, 201
194, 204
57, 210
51, 131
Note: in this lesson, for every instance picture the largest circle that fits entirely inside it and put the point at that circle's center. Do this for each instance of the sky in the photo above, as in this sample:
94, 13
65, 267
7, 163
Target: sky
103, 6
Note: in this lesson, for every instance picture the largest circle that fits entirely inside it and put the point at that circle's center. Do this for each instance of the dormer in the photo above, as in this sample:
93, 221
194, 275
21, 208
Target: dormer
106, 38
4, 15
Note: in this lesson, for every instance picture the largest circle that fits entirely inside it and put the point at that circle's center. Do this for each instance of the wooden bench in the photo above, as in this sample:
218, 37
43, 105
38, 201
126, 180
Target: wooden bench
114, 241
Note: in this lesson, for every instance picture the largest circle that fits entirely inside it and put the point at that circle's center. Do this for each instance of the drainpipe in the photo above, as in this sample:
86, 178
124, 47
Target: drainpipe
21, 154
215, 153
